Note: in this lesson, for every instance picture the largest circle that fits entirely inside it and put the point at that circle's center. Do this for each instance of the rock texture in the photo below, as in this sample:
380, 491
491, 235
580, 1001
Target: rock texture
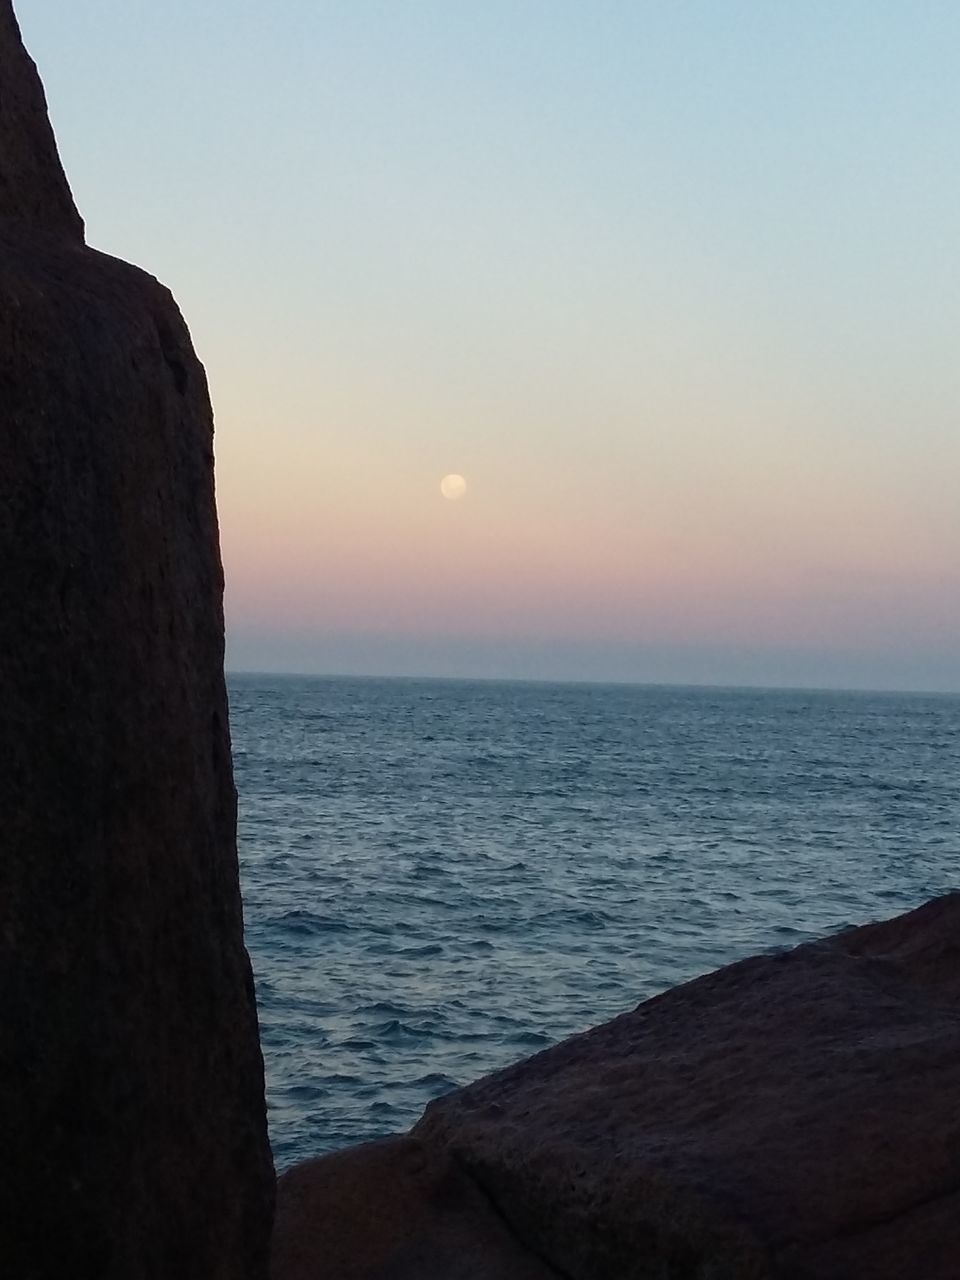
392, 1211
131, 1083
792, 1116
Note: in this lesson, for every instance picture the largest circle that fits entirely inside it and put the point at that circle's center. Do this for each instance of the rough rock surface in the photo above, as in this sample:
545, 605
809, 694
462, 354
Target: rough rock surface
391, 1211
131, 1083
792, 1116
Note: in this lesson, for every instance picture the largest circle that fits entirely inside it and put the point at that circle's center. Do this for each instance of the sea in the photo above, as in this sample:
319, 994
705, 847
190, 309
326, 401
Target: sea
443, 876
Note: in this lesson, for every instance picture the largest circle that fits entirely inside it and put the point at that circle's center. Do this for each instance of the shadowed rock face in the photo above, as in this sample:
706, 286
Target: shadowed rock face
131, 1083
392, 1211
33, 190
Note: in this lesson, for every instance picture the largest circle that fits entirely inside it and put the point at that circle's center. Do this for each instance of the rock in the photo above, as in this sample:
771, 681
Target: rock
391, 1211
131, 1082
793, 1116
34, 194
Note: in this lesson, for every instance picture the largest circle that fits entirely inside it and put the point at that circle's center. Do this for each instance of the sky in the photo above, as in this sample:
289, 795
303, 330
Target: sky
674, 287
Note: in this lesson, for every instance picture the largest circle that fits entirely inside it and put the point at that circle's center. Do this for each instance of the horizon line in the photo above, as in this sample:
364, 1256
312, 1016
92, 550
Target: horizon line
592, 681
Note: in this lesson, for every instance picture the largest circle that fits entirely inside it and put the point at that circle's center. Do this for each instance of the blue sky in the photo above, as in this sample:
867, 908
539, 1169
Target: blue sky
675, 286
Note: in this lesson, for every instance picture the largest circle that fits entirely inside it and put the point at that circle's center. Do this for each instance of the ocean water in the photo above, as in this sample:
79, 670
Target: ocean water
441, 877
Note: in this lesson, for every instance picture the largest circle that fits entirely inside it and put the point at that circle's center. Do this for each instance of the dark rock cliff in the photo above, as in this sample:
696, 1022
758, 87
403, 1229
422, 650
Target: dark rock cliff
131, 1082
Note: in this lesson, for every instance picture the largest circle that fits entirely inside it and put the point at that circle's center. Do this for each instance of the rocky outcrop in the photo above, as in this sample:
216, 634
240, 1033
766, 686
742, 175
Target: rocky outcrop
395, 1211
790, 1117
131, 1083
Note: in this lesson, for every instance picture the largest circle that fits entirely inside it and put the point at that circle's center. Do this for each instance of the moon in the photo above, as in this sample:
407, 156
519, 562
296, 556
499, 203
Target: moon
453, 487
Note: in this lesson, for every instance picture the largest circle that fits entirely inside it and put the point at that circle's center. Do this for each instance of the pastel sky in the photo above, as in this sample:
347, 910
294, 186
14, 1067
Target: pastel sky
675, 286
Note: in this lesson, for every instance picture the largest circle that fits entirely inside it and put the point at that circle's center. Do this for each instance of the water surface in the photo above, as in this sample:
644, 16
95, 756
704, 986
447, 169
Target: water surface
442, 876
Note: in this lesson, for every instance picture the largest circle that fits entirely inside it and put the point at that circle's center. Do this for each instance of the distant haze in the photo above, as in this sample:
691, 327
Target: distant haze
675, 288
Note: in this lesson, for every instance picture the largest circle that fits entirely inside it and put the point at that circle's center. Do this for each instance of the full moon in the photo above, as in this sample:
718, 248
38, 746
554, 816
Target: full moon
453, 487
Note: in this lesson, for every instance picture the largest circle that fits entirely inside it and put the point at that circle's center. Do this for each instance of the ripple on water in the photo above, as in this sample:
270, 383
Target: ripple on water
441, 877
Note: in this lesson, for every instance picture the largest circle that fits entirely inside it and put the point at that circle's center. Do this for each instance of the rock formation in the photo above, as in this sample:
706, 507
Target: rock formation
790, 1117
395, 1211
131, 1084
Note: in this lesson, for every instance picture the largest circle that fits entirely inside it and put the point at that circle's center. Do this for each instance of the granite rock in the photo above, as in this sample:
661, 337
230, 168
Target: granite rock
793, 1116
131, 1081
391, 1210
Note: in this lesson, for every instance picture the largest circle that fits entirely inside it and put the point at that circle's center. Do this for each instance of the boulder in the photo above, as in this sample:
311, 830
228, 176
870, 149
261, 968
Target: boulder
791, 1116
131, 1083
392, 1210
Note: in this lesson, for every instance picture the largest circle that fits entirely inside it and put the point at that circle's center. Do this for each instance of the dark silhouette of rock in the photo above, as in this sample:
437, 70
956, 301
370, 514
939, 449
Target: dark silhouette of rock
132, 1121
33, 190
393, 1211
791, 1116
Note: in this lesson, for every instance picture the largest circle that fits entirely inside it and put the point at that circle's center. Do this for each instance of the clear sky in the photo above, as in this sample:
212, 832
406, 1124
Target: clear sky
674, 285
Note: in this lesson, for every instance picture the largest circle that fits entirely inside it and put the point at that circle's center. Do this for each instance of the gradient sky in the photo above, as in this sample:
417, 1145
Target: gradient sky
675, 286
